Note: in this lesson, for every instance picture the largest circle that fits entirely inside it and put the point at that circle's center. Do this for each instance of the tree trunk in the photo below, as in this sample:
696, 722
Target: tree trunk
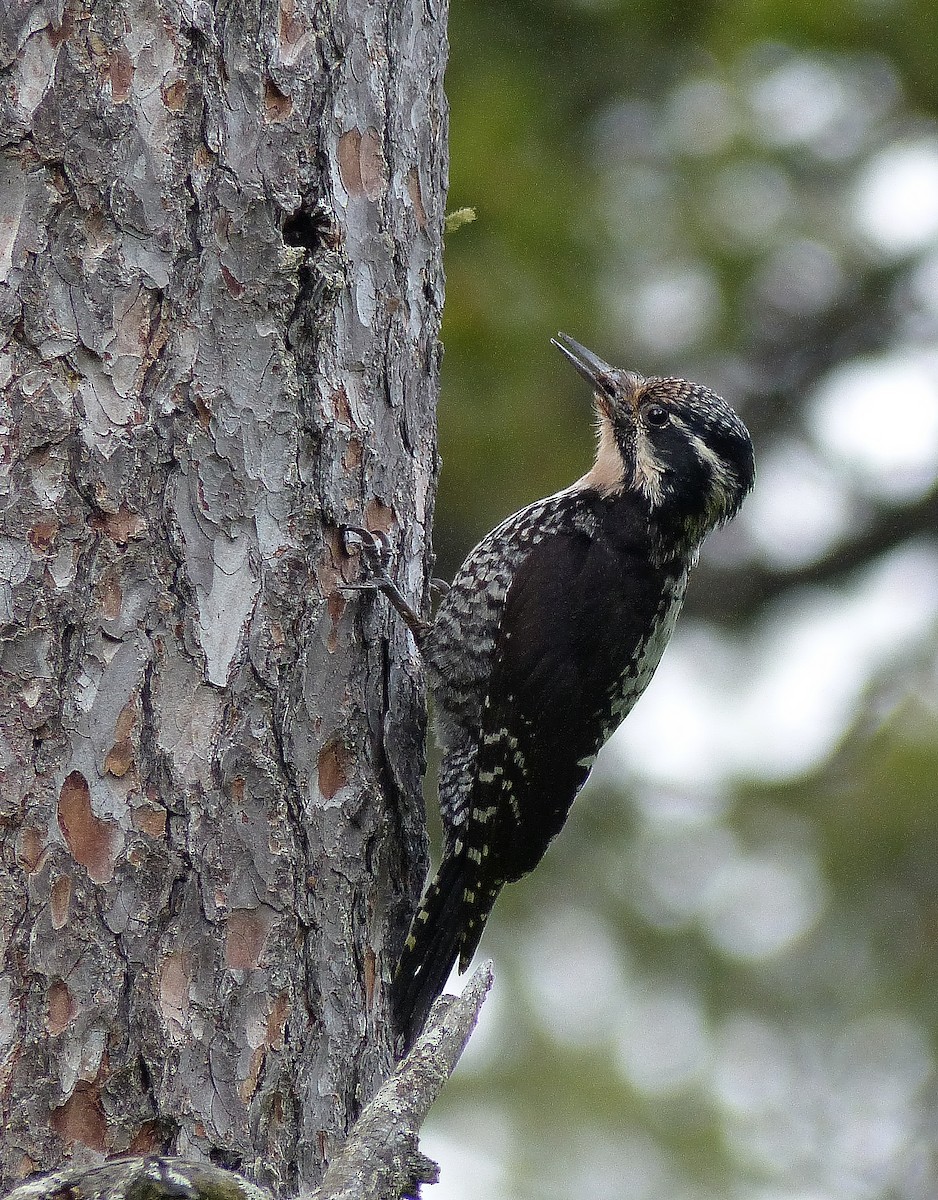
220, 289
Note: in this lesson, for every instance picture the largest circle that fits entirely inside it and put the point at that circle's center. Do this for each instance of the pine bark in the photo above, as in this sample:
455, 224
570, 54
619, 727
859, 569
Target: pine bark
220, 290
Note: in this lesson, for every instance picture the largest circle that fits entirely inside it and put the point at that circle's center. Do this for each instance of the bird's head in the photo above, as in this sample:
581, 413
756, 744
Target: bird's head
675, 444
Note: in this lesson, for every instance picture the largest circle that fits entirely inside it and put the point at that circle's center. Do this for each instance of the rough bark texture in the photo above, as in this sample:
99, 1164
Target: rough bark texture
379, 1161
220, 286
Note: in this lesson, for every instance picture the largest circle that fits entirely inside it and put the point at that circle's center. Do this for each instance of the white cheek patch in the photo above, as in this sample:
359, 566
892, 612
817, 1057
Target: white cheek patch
724, 485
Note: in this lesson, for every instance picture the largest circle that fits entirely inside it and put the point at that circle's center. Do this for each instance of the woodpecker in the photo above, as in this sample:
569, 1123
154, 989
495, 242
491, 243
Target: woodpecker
550, 632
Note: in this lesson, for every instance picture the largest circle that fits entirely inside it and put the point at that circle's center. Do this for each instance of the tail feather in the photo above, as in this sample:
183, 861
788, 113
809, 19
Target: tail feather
447, 927
430, 951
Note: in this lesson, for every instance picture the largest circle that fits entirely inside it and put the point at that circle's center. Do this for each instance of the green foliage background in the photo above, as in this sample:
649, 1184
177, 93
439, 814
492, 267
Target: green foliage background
643, 1041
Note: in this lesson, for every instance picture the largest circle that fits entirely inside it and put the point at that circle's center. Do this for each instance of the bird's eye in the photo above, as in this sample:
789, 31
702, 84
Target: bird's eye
656, 414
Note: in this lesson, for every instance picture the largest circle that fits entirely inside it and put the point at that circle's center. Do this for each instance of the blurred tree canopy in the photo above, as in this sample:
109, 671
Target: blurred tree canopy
722, 980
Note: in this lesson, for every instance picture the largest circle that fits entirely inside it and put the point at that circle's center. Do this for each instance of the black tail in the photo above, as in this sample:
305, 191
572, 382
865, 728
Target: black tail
447, 926
431, 949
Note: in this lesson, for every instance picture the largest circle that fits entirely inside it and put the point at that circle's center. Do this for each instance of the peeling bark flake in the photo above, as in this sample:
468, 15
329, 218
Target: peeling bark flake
173, 992
111, 596
352, 458
42, 535
121, 526
151, 821
374, 167
149, 1137
120, 74
120, 757
362, 164
81, 1118
29, 847
249, 1086
245, 935
277, 106
277, 1020
174, 95
60, 1008
416, 199
60, 899
379, 517
341, 408
333, 768
294, 33
350, 165
234, 286
89, 839
336, 605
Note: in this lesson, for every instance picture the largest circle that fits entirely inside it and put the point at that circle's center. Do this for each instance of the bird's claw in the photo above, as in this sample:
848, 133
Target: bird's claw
374, 551
374, 548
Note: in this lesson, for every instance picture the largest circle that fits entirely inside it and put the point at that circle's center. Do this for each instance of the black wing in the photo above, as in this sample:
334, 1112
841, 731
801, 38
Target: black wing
576, 618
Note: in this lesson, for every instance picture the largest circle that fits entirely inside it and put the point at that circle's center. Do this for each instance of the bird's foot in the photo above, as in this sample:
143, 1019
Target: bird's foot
374, 552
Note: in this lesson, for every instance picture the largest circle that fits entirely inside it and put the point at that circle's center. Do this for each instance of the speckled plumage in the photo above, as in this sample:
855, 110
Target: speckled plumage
551, 631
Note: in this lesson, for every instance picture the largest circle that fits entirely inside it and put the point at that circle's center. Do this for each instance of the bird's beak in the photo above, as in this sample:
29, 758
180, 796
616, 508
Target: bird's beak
606, 381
